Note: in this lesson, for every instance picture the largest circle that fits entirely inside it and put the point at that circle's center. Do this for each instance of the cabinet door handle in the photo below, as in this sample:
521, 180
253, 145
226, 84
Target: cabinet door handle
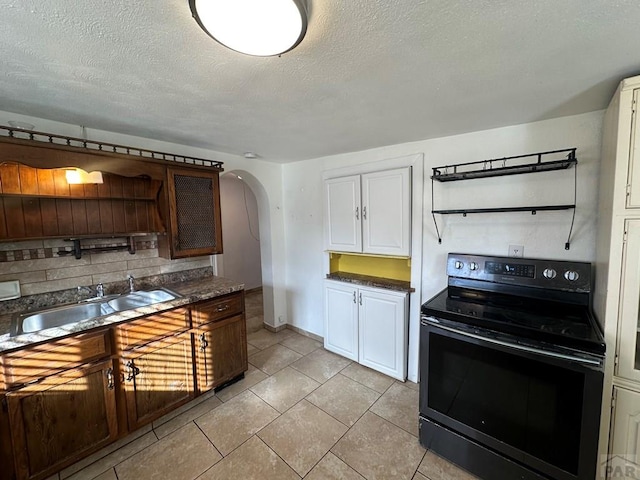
364, 213
203, 342
132, 371
360, 298
222, 308
109, 374
357, 213
354, 296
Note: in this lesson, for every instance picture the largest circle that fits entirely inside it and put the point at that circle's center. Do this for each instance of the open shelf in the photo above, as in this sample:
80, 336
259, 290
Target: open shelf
498, 167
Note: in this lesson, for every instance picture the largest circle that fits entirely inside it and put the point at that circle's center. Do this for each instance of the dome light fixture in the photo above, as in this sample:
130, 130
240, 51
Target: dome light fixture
261, 28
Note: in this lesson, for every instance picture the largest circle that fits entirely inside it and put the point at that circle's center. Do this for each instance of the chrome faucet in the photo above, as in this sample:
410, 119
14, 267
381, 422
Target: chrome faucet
131, 286
100, 290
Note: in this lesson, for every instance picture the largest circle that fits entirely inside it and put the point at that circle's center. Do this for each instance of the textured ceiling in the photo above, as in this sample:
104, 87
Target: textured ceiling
369, 72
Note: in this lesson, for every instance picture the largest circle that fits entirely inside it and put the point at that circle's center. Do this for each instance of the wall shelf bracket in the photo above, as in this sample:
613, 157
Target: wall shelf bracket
77, 250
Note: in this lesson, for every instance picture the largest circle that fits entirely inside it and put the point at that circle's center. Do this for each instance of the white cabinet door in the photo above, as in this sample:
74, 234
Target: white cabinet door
383, 331
344, 231
341, 319
624, 453
629, 322
386, 212
633, 199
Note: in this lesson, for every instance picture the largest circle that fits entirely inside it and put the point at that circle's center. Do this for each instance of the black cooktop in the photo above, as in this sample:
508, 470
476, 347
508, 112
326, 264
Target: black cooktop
552, 322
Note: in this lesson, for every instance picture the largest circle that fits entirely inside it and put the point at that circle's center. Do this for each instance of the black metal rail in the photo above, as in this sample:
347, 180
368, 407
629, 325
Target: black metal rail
93, 145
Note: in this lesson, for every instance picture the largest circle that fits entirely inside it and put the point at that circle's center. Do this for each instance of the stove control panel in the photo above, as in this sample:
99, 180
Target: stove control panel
551, 274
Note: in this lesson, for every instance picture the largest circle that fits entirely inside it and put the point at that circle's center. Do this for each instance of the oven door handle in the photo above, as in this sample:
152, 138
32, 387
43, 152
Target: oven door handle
524, 348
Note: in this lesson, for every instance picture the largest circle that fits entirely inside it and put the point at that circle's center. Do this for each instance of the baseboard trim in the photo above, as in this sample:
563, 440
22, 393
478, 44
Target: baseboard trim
274, 329
253, 290
313, 336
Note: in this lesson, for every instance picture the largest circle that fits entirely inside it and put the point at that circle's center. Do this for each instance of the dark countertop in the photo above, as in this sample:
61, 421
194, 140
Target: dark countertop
368, 281
192, 291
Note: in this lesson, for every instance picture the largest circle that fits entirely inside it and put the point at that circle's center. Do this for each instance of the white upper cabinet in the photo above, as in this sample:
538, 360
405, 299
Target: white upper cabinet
343, 214
633, 198
378, 221
386, 212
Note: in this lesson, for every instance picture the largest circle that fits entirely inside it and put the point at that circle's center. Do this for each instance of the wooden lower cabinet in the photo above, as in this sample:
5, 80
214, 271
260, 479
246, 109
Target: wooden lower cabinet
157, 378
62, 418
220, 352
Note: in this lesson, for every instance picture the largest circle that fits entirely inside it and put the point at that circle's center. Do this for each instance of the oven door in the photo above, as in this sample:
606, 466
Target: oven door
535, 410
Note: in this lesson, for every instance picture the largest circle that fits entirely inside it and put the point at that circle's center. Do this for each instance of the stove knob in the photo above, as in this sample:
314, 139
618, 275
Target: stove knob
571, 275
458, 264
473, 266
549, 273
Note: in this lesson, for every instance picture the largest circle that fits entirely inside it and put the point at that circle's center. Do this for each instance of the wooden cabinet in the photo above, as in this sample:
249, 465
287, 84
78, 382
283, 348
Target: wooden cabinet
368, 325
624, 454
370, 213
59, 406
220, 341
194, 222
158, 377
40, 203
156, 365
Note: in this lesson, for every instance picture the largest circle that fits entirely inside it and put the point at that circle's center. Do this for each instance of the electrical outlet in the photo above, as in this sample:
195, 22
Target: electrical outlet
516, 251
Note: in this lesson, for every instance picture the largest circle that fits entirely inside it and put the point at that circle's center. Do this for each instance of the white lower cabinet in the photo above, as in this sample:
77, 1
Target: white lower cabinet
624, 451
367, 325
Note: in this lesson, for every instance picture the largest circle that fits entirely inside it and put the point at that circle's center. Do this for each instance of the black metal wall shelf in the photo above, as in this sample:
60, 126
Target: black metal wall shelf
78, 250
489, 168
498, 167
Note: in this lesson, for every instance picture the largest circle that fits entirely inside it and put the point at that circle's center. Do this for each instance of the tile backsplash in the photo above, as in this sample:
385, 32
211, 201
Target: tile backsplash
40, 267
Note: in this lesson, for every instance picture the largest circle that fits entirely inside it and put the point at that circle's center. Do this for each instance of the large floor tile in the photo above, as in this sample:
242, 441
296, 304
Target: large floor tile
108, 475
435, 467
419, 476
301, 344
332, 468
235, 421
109, 461
182, 455
251, 377
379, 450
187, 416
399, 405
262, 339
343, 399
273, 359
321, 365
370, 378
302, 436
251, 461
284, 389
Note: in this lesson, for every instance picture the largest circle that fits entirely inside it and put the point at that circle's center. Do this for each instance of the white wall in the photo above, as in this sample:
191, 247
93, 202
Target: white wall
265, 180
542, 235
240, 232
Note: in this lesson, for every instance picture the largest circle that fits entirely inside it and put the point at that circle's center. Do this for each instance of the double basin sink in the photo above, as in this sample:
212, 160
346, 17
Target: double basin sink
87, 310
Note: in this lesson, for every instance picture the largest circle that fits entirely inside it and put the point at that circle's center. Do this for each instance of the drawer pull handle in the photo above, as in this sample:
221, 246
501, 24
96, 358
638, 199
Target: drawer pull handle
132, 370
203, 342
222, 308
109, 374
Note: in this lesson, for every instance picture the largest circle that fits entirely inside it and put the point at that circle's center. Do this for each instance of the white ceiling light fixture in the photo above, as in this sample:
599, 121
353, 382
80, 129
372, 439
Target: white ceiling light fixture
261, 28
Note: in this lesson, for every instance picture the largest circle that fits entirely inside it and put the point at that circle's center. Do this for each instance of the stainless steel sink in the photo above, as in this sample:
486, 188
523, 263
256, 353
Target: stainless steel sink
67, 314
58, 316
142, 298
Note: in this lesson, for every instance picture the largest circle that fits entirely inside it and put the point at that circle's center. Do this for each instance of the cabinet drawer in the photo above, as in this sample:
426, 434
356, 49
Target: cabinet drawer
147, 329
30, 364
217, 308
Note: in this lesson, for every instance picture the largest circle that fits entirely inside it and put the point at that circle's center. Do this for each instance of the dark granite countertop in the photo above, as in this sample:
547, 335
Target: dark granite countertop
191, 291
368, 281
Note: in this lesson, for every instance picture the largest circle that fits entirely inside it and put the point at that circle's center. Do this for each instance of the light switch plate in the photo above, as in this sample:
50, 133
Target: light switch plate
516, 251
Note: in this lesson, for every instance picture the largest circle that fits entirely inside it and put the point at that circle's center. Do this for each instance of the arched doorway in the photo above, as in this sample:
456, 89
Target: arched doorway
247, 243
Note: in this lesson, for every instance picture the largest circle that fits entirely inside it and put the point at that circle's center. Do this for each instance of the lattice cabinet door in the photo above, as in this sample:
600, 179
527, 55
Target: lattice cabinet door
195, 224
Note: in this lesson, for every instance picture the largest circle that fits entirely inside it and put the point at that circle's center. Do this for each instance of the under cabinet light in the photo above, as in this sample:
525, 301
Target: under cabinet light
77, 176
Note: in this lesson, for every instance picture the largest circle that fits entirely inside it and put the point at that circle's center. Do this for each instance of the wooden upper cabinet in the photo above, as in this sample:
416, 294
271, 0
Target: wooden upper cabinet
40, 203
192, 212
